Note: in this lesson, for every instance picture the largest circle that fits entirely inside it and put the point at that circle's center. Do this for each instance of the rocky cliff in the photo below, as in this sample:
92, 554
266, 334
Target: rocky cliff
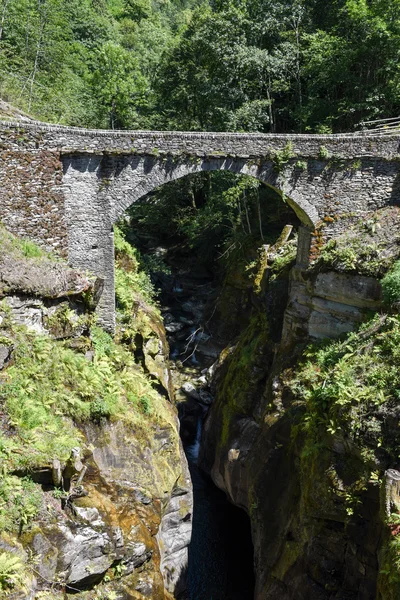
95, 494
303, 434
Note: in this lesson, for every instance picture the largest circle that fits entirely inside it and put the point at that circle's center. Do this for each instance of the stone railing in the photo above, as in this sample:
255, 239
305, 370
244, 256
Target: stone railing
203, 144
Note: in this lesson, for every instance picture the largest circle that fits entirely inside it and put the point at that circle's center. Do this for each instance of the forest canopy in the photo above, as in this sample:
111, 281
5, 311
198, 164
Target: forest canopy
239, 65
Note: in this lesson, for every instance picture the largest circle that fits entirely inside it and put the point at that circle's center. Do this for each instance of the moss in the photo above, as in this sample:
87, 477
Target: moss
262, 264
290, 554
240, 383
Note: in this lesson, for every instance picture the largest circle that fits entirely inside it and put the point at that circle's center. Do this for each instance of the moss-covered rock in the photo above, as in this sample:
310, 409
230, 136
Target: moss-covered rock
103, 525
307, 449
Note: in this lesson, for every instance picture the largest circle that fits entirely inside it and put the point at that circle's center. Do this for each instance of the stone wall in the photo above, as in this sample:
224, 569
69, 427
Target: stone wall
31, 196
75, 139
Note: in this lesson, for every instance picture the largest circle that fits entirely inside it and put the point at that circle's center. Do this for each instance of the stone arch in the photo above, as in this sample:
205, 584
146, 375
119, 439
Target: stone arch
153, 172
99, 189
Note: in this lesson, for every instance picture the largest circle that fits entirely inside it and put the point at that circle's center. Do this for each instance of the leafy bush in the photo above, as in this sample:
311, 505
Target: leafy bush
20, 501
280, 158
391, 285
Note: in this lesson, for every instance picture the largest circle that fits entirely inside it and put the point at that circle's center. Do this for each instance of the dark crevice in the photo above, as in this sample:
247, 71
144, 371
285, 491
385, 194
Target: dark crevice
221, 551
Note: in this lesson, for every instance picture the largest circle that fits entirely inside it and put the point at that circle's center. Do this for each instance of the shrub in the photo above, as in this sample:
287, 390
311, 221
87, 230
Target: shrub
324, 153
391, 284
280, 158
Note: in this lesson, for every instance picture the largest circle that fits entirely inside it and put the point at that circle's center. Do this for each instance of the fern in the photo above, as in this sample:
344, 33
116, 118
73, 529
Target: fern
12, 573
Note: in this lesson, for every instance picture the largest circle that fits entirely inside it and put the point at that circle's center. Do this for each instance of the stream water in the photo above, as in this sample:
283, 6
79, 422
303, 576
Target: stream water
221, 552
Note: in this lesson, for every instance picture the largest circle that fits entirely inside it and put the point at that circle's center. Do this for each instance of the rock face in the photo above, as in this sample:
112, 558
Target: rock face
45, 278
328, 304
308, 543
151, 342
133, 521
121, 525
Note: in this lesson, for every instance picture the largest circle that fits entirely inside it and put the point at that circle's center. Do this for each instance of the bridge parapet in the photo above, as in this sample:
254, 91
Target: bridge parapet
22, 135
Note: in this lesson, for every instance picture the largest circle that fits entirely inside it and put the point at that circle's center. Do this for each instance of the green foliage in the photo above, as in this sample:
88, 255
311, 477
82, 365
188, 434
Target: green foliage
70, 62
282, 65
30, 249
324, 153
284, 259
20, 248
352, 253
20, 501
348, 385
342, 394
119, 86
49, 387
214, 214
280, 158
12, 574
391, 285
133, 286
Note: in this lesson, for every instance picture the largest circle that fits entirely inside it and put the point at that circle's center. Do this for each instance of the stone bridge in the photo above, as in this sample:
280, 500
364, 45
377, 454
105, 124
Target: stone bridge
66, 187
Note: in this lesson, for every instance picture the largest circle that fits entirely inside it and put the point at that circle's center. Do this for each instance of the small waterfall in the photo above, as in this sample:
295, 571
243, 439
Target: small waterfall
192, 450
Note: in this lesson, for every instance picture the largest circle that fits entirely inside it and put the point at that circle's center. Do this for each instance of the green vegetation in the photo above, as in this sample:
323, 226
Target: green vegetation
49, 387
323, 153
51, 390
20, 502
369, 247
347, 386
346, 393
285, 259
12, 574
245, 368
280, 158
391, 284
138, 313
286, 65
214, 215
130, 277
20, 248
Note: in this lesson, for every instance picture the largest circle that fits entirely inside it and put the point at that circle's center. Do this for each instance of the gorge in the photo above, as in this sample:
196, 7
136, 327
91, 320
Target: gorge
199, 299
299, 430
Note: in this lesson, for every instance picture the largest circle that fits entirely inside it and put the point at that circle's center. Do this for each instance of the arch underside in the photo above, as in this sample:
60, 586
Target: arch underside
137, 178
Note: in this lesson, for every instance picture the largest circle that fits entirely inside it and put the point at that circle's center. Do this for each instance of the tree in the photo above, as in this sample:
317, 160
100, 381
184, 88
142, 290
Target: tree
119, 86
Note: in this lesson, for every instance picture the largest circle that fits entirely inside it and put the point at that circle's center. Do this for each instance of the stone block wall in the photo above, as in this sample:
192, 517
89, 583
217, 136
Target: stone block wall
31, 196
